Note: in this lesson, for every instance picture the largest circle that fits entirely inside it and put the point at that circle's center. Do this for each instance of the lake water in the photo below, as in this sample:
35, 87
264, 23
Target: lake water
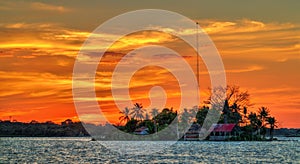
83, 150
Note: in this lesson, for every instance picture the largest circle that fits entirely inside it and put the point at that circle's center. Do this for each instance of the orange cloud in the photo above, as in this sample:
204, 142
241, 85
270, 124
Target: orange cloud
37, 62
48, 37
48, 7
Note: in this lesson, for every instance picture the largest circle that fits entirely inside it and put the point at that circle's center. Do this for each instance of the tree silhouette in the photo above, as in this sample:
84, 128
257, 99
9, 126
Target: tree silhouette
236, 116
233, 109
263, 113
254, 120
232, 104
272, 122
201, 115
154, 112
126, 115
137, 112
226, 111
235, 96
131, 125
245, 111
165, 117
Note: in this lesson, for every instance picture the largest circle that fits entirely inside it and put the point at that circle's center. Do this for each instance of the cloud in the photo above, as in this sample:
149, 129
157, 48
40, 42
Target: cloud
248, 69
242, 26
41, 36
29, 85
244, 38
48, 7
32, 61
255, 40
30, 6
37, 61
274, 90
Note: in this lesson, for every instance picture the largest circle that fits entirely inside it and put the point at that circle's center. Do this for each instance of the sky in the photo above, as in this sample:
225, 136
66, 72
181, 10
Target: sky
40, 40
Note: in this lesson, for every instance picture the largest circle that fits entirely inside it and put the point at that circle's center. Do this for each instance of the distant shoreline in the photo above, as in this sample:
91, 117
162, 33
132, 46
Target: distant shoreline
75, 129
2, 136
90, 139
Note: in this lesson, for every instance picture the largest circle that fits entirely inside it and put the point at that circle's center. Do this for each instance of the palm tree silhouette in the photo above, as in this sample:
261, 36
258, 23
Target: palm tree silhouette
273, 123
125, 118
154, 112
254, 120
263, 113
137, 111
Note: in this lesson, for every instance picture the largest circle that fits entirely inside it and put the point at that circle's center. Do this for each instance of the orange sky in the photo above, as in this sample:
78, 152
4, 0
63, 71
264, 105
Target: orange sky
40, 44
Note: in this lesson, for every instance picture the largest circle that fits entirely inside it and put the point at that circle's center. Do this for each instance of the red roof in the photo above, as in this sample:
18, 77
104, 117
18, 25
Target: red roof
222, 127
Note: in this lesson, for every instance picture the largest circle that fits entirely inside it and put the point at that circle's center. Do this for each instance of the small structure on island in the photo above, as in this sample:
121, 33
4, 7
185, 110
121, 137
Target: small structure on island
221, 132
141, 131
193, 133
66, 122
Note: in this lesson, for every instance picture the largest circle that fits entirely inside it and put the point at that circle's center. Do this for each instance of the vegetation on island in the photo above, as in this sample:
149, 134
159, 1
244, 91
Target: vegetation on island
67, 128
249, 125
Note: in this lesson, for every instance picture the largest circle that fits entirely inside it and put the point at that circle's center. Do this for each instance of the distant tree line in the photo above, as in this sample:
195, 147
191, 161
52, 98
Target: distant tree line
67, 128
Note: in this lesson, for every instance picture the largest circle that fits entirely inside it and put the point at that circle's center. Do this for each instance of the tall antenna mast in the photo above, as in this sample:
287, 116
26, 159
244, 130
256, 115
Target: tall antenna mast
197, 44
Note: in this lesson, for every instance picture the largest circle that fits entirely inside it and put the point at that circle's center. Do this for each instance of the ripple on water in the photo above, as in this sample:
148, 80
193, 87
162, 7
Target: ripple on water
82, 150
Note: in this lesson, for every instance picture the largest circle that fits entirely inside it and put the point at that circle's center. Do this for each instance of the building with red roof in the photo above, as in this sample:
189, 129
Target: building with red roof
221, 132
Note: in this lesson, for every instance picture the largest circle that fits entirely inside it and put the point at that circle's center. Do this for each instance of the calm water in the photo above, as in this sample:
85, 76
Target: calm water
82, 150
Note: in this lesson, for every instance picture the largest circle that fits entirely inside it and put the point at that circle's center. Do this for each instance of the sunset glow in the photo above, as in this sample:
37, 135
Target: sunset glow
37, 56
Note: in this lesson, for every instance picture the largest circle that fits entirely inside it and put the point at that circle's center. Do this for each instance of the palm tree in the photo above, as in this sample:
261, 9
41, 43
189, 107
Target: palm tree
125, 118
273, 123
255, 122
154, 112
253, 119
137, 111
263, 113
